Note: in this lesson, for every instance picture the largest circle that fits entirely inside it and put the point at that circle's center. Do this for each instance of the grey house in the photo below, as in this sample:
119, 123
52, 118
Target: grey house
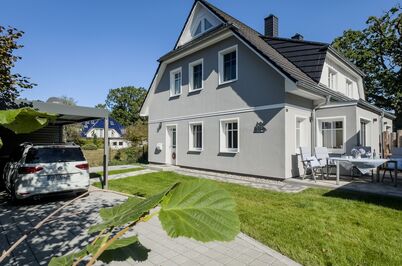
228, 98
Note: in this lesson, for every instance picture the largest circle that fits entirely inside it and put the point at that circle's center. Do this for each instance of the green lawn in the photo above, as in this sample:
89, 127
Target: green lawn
116, 172
314, 227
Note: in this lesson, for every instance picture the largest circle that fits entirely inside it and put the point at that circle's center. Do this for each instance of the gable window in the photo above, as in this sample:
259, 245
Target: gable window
228, 65
229, 135
300, 132
175, 82
349, 88
332, 134
196, 75
202, 26
331, 79
195, 136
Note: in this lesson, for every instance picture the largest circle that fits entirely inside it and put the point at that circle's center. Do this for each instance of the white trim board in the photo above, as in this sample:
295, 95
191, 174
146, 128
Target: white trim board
219, 113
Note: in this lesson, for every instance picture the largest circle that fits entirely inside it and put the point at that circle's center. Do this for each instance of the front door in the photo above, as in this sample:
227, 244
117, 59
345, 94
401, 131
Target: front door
171, 145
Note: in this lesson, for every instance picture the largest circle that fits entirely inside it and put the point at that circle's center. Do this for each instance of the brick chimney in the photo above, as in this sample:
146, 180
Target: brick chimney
271, 26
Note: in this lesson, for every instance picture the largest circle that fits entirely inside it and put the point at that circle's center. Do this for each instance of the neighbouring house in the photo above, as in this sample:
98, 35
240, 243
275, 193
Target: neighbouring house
95, 128
228, 98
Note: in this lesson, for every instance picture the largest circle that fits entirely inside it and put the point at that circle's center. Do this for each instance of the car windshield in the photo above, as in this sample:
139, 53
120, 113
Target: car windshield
54, 155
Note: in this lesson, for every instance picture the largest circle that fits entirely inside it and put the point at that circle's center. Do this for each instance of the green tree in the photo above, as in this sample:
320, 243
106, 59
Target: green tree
125, 104
377, 51
10, 83
137, 133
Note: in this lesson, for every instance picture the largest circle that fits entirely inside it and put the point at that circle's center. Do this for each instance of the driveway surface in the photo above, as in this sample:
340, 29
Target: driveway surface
67, 231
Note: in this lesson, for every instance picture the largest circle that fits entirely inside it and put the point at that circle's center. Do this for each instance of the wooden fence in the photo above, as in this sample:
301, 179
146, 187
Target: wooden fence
390, 140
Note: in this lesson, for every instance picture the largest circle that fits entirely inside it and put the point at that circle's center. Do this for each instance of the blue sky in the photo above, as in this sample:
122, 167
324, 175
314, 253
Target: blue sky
82, 49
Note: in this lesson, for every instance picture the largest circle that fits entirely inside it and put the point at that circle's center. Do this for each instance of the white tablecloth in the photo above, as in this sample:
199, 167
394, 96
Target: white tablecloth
365, 165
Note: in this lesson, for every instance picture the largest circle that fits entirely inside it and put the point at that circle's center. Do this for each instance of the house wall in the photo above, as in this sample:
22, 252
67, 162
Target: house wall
99, 132
297, 107
259, 154
257, 85
257, 96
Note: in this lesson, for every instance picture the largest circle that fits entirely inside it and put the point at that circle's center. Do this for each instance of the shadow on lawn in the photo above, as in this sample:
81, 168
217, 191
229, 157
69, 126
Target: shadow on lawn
371, 198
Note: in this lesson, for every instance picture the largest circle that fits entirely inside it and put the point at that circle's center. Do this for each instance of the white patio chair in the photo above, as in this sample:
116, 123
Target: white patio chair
310, 163
322, 155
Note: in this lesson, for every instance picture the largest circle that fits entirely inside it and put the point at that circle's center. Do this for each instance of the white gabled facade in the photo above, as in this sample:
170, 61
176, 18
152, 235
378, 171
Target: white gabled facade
339, 77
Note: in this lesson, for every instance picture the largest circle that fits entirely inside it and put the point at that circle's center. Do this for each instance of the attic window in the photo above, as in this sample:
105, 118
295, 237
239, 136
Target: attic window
202, 26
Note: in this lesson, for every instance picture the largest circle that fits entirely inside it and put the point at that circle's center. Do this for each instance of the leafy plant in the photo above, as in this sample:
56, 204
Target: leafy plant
10, 83
195, 209
24, 120
89, 146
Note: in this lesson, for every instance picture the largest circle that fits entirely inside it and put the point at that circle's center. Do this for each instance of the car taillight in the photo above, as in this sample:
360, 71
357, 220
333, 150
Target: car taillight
29, 170
83, 166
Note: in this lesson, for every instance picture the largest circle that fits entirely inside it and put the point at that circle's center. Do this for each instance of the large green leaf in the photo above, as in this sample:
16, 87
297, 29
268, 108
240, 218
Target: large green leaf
25, 120
128, 212
199, 210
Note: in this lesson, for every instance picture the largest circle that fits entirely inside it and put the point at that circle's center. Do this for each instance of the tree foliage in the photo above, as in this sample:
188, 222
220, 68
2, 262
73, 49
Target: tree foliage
377, 51
10, 83
137, 133
125, 104
196, 209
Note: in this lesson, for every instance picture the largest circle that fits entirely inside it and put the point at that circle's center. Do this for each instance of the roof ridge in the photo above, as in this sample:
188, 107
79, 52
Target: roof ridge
275, 57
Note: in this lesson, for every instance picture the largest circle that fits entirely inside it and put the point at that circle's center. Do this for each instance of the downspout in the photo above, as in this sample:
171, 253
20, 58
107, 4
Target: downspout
314, 125
381, 137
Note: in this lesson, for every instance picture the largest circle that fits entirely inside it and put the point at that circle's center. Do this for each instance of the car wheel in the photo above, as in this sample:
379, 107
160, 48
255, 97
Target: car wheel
13, 196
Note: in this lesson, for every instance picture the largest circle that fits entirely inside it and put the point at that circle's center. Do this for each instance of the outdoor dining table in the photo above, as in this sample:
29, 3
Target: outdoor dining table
365, 165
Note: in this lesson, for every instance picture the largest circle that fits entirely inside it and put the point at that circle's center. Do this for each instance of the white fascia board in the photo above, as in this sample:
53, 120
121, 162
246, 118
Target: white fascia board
187, 28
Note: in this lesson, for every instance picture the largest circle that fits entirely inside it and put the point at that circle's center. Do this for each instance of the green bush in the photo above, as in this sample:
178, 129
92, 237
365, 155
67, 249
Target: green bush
131, 155
89, 146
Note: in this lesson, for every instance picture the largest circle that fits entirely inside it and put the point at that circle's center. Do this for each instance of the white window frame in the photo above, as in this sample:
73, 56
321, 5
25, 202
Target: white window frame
191, 136
368, 131
349, 88
172, 81
332, 119
334, 79
201, 20
223, 137
303, 136
220, 63
191, 74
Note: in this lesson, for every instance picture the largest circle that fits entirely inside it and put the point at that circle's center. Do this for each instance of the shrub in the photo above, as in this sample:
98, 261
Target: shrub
89, 146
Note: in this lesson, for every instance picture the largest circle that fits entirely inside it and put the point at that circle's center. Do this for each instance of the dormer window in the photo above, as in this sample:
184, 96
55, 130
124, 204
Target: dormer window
332, 79
202, 26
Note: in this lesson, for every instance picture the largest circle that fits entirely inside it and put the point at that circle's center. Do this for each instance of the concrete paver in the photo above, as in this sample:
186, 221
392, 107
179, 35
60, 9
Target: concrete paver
68, 233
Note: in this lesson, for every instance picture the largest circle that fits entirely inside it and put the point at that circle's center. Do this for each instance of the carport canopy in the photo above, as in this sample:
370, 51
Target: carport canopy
71, 114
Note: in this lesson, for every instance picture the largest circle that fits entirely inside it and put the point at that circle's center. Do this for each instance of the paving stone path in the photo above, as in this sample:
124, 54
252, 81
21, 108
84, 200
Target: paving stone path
255, 182
67, 232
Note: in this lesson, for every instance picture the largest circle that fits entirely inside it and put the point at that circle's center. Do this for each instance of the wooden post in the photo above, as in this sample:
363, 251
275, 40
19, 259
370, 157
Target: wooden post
399, 138
394, 140
106, 153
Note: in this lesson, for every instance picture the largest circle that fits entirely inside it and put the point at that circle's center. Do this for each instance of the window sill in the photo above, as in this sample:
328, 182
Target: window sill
227, 82
174, 96
229, 151
196, 151
196, 90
